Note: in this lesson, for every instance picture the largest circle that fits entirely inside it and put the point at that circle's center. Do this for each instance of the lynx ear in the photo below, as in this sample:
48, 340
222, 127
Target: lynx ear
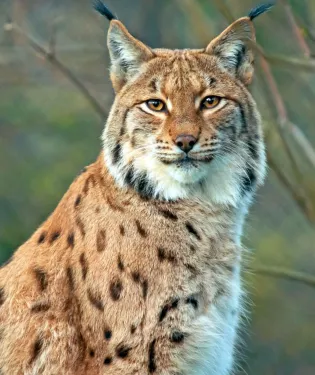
233, 51
127, 54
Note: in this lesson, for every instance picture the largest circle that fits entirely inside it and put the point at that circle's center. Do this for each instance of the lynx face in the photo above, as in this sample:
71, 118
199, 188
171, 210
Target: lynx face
183, 122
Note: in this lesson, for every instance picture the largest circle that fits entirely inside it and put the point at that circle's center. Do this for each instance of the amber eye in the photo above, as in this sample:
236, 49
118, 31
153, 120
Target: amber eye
156, 105
210, 102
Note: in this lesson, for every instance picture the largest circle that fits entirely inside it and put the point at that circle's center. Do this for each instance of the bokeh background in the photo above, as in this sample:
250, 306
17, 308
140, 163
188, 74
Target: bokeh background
55, 94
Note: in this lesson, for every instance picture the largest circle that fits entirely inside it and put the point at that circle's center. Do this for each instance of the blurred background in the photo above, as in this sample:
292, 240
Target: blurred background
54, 98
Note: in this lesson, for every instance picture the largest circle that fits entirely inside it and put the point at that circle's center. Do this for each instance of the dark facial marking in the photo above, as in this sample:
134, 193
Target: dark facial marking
107, 334
84, 266
122, 351
166, 308
122, 229
2, 298
95, 300
144, 187
177, 337
116, 154
248, 180
40, 307
152, 84
42, 237
101, 241
191, 268
80, 225
140, 229
129, 177
77, 201
115, 289
70, 278
152, 365
120, 264
37, 347
108, 360
41, 278
168, 214
193, 231
192, 301
253, 149
70, 240
54, 236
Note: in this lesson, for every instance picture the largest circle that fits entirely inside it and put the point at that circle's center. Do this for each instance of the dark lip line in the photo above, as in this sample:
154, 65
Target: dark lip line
187, 160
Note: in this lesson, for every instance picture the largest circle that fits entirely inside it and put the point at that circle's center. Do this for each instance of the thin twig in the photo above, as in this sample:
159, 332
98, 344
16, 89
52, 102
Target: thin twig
295, 28
55, 62
283, 273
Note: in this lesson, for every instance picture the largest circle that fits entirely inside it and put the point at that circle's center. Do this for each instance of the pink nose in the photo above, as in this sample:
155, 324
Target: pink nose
185, 142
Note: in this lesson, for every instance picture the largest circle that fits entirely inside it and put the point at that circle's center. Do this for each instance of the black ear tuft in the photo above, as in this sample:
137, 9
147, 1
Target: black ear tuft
103, 10
260, 9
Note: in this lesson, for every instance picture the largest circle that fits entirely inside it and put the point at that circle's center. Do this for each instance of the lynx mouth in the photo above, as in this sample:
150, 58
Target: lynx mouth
187, 161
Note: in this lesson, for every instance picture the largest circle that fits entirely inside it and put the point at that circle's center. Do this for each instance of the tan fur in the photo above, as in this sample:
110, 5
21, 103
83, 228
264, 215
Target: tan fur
137, 270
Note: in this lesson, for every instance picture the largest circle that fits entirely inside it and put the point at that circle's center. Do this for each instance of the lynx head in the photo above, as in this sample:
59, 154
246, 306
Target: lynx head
183, 122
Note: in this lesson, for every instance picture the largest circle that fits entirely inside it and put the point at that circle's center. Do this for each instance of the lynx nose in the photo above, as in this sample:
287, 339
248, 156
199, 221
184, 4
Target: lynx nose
185, 142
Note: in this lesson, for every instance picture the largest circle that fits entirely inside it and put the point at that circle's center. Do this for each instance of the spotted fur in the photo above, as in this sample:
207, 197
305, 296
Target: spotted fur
137, 271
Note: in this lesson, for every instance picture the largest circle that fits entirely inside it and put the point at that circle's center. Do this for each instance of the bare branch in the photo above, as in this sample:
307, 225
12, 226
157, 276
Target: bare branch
283, 273
52, 59
296, 30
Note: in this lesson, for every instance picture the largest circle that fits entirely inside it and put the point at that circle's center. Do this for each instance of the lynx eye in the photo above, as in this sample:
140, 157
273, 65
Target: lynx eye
156, 105
210, 102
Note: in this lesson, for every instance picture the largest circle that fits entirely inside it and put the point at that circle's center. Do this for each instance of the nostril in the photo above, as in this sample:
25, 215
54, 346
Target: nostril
185, 142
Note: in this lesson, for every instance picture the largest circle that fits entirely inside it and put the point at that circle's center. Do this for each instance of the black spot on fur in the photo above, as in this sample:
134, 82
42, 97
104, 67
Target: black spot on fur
191, 268
108, 360
193, 231
2, 298
192, 248
145, 286
40, 307
70, 278
168, 214
120, 264
129, 177
41, 277
152, 365
80, 225
133, 329
89, 181
153, 84
115, 289
54, 236
116, 155
108, 334
77, 201
167, 307
101, 241
122, 351
135, 276
260, 9
113, 205
84, 266
42, 237
122, 229
37, 348
140, 229
192, 301
92, 353
177, 337
144, 187
70, 240
161, 254
95, 300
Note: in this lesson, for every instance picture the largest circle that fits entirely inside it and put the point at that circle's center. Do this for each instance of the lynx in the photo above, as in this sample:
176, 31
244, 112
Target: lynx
137, 271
